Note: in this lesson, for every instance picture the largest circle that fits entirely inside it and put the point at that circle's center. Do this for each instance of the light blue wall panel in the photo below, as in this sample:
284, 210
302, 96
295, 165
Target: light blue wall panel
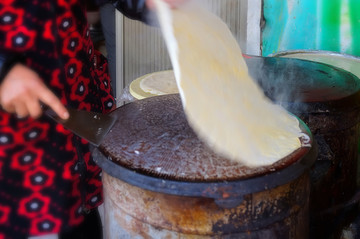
332, 25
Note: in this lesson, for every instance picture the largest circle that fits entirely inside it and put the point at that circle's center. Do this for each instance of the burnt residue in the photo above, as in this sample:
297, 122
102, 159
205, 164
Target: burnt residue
281, 212
271, 209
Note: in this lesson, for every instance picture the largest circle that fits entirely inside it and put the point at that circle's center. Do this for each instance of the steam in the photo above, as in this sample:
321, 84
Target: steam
280, 80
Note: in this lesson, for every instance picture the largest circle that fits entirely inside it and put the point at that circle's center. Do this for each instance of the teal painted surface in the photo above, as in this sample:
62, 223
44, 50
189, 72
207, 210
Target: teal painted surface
332, 25
354, 16
289, 25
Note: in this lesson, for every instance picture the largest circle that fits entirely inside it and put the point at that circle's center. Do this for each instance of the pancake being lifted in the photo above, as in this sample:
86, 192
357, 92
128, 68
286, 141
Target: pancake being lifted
222, 103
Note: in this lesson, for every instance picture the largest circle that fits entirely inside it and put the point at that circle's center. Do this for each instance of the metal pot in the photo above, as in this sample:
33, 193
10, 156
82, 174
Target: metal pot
327, 99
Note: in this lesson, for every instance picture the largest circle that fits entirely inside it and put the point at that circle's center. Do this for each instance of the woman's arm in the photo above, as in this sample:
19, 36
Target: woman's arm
140, 9
133, 9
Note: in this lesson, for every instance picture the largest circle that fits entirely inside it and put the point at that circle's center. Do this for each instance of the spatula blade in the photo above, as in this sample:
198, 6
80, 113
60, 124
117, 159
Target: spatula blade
90, 126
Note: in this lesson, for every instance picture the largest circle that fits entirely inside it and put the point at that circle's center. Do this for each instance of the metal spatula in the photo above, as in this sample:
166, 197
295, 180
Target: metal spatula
90, 126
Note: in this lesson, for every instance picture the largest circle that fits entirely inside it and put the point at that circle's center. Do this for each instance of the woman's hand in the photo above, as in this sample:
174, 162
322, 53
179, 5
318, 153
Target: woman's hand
22, 90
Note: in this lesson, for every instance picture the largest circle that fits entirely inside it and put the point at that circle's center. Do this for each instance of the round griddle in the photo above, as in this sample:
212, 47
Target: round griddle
152, 136
152, 146
305, 86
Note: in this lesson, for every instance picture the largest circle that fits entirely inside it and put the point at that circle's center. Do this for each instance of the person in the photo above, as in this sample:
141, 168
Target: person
48, 180
49, 184
107, 20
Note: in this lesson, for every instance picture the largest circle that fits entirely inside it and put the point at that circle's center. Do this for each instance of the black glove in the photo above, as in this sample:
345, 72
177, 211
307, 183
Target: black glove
133, 9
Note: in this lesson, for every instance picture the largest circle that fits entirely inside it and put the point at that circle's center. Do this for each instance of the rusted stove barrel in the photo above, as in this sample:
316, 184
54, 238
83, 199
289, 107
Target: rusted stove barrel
160, 181
327, 99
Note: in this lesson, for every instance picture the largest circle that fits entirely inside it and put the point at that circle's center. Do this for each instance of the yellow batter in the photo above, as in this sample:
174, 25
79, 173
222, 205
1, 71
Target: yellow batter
224, 106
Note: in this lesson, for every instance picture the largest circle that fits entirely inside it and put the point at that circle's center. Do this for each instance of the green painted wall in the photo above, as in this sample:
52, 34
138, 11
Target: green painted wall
332, 25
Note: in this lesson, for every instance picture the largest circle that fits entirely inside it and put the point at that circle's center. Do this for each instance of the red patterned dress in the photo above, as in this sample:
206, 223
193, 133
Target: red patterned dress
47, 175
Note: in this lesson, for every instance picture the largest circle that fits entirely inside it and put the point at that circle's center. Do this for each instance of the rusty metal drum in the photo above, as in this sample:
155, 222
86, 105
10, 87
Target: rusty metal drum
330, 106
161, 181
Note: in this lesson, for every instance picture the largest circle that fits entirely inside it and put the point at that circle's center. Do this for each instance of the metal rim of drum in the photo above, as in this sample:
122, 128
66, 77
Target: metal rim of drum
217, 190
330, 53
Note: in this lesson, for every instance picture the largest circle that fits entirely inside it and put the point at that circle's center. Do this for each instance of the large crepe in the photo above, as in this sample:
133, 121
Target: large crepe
223, 105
